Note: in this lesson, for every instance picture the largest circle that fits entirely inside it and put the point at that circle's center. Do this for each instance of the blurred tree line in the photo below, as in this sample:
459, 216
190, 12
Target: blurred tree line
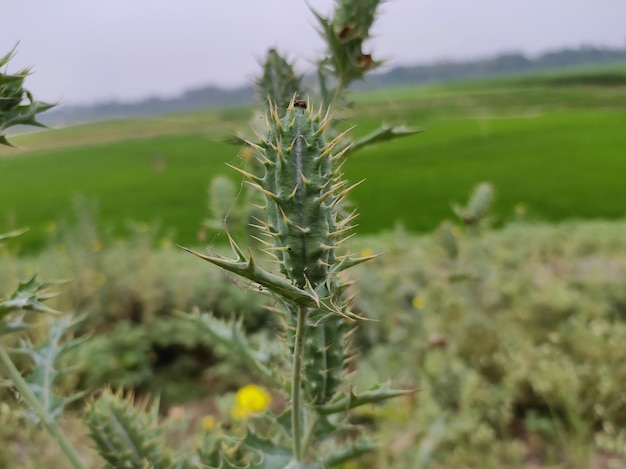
511, 63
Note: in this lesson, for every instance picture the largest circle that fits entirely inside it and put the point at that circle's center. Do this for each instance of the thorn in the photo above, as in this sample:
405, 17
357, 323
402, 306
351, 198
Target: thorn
304, 179
292, 102
318, 114
292, 123
343, 193
342, 153
258, 148
312, 292
327, 183
347, 222
343, 240
293, 193
321, 263
350, 299
251, 265
264, 160
262, 241
235, 247
246, 174
269, 194
284, 215
340, 231
273, 255
279, 150
277, 248
320, 200
337, 171
334, 142
268, 234
267, 118
325, 121
258, 227
338, 185
344, 222
257, 219
274, 146
303, 229
293, 142
277, 123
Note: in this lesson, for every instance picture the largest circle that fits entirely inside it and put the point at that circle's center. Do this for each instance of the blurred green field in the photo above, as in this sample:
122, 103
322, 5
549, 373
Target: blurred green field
555, 143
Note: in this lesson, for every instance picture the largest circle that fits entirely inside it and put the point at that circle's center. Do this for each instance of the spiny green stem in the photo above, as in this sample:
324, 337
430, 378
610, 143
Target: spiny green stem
8, 368
296, 378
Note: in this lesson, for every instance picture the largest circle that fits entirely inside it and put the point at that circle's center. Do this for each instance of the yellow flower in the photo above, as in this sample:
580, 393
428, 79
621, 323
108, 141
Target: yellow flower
96, 245
208, 423
418, 302
249, 400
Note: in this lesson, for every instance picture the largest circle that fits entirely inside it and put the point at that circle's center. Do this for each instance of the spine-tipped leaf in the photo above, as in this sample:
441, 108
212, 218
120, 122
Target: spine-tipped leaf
17, 105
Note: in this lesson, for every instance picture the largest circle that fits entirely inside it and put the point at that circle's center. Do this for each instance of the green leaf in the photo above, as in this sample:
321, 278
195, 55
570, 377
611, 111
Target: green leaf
45, 373
5, 59
349, 452
247, 268
12, 94
385, 133
351, 401
27, 297
13, 234
232, 335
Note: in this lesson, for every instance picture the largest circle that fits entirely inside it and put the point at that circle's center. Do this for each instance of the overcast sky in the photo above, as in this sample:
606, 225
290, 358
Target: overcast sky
96, 50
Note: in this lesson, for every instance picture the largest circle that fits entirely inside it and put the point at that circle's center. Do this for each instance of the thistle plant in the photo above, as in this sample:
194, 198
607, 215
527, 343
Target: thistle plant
298, 173
13, 110
37, 388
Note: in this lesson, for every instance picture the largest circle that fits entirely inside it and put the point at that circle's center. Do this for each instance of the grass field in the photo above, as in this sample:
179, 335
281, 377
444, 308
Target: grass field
556, 143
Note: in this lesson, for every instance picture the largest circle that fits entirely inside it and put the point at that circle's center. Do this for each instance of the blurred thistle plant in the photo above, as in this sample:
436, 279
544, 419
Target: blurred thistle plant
13, 108
473, 216
476, 211
37, 389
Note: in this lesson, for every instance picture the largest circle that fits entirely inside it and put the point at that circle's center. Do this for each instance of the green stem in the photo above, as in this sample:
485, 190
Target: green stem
8, 368
338, 93
296, 378
308, 435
